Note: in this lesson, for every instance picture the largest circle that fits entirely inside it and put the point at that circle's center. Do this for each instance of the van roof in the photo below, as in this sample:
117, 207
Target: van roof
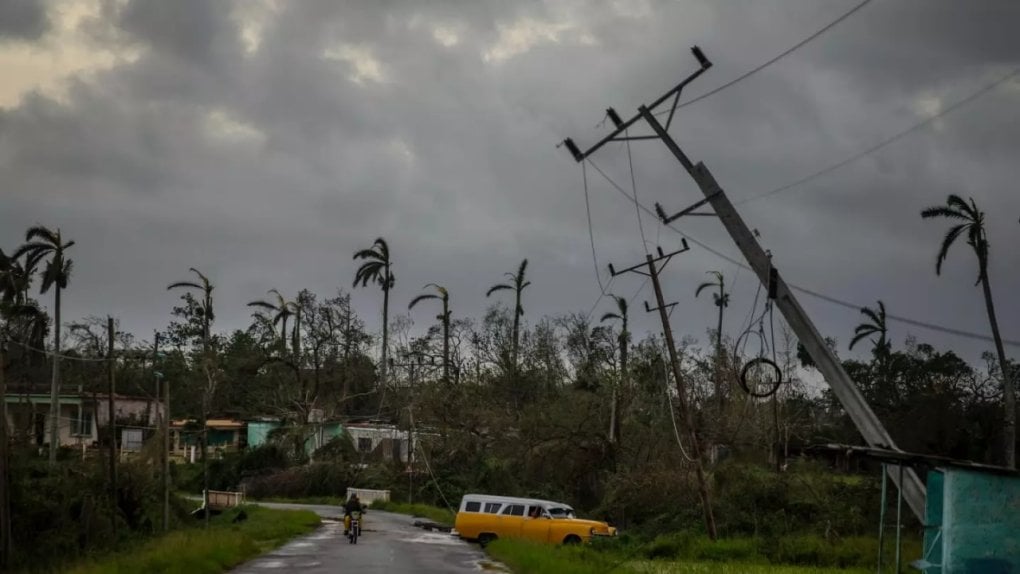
512, 499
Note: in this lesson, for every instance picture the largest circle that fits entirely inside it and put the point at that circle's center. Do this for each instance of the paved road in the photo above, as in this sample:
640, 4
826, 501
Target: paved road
389, 544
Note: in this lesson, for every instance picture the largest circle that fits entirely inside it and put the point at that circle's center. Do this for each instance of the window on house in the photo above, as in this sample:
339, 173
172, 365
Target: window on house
84, 426
365, 444
473, 507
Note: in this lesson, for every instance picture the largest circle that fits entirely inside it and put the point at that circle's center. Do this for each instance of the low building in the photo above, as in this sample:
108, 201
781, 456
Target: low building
80, 417
224, 435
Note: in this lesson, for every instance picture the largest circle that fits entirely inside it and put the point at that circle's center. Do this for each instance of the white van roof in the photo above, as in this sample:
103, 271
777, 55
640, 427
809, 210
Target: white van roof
513, 500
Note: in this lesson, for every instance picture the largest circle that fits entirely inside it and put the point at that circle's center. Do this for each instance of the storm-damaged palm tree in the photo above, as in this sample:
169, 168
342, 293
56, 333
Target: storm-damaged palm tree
518, 282
204, 310
280, 311
874, 325
42, 243
969, 221
721, 300
377, 269
624, 342
442, 295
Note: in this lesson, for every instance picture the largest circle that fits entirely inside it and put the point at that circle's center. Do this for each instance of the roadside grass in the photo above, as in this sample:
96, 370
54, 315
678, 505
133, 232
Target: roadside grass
195, 550
433, 513
683, 553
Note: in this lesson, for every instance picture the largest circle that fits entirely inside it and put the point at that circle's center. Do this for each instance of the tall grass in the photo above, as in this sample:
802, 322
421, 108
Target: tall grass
532, 558
195, 550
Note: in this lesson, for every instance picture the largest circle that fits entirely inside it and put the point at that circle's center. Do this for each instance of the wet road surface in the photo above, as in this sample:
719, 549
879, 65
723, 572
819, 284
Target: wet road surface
389, 543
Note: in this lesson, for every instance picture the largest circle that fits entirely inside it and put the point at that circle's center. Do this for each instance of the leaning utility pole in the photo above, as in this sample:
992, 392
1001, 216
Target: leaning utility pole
842, 385
112, 414
652, 272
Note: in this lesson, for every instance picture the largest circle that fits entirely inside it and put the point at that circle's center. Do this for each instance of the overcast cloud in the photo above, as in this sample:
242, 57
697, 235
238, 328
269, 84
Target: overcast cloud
263, 141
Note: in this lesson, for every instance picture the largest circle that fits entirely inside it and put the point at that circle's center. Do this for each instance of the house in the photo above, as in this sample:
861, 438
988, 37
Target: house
80, 417
224, 434
373, 440
381, 441
260, 429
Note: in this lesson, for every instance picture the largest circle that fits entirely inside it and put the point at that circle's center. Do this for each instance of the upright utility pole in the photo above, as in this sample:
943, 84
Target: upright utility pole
5, 479
685, 414
163, 387
828, 364
112, 422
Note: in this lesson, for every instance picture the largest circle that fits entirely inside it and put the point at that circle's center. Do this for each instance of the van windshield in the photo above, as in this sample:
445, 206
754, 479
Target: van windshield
561, 512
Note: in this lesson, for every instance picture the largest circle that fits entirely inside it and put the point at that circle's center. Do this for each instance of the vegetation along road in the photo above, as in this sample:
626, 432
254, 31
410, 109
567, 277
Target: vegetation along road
390, 543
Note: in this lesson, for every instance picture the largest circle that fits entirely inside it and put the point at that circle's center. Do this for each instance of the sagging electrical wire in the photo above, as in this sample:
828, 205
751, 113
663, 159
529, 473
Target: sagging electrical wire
768, 345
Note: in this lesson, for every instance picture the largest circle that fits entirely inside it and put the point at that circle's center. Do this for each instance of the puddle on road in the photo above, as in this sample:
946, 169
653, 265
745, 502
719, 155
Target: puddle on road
440, 539
490, 566
270, 564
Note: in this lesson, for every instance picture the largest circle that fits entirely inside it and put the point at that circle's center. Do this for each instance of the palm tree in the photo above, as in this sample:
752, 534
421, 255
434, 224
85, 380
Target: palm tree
205, 311
41, 243
624, 340
376, 269
281, 311
517, 284
443, 296
721, 300
15, 279
205, 306
970, 221
876, 326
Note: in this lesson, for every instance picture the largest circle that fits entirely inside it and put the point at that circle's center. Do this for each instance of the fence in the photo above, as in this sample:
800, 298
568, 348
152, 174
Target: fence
368, 496
222, 499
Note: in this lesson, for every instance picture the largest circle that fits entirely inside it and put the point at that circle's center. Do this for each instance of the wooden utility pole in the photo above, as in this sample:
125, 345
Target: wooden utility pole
111, 413
827, 362
163, 387
5, 473
652, 265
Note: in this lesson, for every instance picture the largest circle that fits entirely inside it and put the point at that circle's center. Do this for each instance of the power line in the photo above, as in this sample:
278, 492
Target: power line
805, 290
771, 61
591, 233
831, 168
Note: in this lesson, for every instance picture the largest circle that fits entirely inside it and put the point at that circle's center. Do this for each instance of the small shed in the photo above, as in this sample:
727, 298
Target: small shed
972, 522
972, 512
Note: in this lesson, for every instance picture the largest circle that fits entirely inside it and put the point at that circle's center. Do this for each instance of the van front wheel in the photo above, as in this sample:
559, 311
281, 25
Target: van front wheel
572, 539
485, 538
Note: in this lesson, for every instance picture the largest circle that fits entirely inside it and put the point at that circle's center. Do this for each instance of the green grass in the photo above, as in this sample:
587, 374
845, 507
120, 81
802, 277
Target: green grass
688, 554
433, 513
730, 568
195, 550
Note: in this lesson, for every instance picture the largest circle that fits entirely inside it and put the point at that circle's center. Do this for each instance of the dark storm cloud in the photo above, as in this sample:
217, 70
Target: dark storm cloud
434, 124
22, 19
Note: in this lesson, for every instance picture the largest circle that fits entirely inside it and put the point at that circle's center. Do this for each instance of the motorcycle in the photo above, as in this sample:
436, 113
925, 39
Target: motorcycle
353, 527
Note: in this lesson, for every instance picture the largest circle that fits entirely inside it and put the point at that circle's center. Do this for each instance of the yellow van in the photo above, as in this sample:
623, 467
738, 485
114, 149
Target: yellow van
483, 518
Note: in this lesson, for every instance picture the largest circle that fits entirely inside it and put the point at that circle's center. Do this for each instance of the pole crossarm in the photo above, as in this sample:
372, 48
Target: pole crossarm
667, 306
662, 256
621, 126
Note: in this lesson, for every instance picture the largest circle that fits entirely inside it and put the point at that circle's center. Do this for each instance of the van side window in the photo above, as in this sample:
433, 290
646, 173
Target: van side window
493, 507
473, 506
514, 510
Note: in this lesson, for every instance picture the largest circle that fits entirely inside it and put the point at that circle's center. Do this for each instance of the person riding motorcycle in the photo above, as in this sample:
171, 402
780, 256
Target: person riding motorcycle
353, 504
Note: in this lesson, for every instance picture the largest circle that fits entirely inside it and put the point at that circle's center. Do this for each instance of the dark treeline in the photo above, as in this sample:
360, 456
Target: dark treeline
569, 407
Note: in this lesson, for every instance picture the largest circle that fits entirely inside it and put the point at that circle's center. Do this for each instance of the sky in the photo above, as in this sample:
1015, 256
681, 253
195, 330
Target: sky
264, 141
